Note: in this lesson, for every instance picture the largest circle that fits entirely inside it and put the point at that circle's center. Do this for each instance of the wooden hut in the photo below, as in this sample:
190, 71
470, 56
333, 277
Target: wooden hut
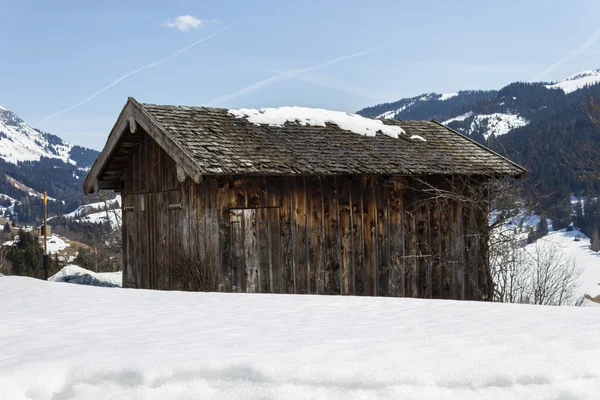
316, 203
40, 230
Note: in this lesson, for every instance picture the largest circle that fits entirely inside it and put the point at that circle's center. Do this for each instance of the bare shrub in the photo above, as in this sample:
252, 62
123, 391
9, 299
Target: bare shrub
537, 274
187, 273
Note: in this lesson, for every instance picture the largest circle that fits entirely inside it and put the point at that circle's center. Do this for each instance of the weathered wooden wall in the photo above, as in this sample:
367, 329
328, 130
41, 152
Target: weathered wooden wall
350, 235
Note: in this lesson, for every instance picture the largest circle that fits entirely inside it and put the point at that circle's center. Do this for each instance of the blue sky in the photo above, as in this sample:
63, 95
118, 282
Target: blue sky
57, 54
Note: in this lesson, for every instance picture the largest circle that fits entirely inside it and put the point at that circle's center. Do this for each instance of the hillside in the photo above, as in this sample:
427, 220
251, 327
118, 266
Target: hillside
31, 162
543, 126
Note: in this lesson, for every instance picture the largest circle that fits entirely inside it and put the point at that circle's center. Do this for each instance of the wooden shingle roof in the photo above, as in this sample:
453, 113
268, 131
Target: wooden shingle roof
211, 141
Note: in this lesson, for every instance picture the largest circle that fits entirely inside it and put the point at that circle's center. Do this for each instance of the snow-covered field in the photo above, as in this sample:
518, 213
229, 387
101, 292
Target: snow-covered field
96, 212
55, 244
62, 341
579, 253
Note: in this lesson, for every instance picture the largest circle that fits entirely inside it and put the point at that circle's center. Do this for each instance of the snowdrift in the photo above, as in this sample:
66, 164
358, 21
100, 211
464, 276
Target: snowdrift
82, 276
82, 342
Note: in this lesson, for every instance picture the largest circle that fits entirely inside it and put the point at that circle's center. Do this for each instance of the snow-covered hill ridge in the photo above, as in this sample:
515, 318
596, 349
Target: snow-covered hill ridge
577, 81
496, 124
427, 97
20, 142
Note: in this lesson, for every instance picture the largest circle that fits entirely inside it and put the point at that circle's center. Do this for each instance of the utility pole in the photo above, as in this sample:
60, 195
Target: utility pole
45, 237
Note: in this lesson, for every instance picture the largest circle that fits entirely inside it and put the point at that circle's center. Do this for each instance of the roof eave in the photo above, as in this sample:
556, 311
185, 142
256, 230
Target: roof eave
523, 172
132, 117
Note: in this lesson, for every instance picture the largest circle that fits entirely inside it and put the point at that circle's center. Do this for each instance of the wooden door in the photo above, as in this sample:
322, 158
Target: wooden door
255, 255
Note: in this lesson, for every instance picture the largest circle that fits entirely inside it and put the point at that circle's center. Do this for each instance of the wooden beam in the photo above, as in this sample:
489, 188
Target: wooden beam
154, 129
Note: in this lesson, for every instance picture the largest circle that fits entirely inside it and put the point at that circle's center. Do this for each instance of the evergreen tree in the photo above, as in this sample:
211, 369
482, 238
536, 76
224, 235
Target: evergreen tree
6, 227
26, 255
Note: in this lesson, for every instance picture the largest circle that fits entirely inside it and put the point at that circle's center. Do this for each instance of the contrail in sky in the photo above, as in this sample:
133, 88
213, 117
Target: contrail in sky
588, 43
334, 83
284, 76
154, 64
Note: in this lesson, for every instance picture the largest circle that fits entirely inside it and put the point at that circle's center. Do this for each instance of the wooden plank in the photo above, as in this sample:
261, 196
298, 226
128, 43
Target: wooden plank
485, 280
191, 212
397, 273
315, 236
287, 271
436, 251
256, 188
410, 243
383, 238
346, 238
129, 252
274, 202
274, 226
238, 263
331, 222
217, 241
143, 240
471, 261
445, 251
422, 220
358, 248
370, 234
263, 249
251, 249
201, 232
300, 236
458, 252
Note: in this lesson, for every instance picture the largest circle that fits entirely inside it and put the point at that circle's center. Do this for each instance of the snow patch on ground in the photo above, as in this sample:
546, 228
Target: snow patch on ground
317, 117
90, 208
496, 124
54, 243
82, 276
393, 113
446, 96
111, 216
459, 118
577, 81
71, 341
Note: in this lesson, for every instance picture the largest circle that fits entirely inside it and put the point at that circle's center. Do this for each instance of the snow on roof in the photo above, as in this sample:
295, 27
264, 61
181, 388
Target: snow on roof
317, 117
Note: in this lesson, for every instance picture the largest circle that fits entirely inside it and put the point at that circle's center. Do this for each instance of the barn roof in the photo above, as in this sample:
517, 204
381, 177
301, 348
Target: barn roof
216, 141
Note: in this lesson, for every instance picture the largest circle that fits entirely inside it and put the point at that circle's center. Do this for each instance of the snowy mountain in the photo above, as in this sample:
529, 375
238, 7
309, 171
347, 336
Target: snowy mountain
33, 162
577, 81
426, 105
485, 114
20, 142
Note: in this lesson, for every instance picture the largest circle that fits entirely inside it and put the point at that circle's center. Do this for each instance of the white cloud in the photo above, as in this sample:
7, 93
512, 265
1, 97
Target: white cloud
184, 23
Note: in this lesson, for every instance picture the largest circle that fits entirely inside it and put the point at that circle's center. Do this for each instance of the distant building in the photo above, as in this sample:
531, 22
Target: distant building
308, 202
40, 230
